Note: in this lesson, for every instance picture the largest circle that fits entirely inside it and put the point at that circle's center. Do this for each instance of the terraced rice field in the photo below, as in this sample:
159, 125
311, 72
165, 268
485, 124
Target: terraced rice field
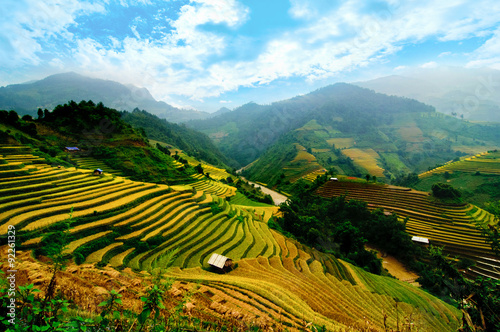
451, 226
341, 143
135, 224
366, 158
304, 286
313, 175
485, 163
216, 173
213, 187
92, 164
303, 164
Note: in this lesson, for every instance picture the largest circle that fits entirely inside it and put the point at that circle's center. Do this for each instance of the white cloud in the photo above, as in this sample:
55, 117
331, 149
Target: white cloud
444, 54
399, 68
181, 62
429, 65
33, 23
488, 55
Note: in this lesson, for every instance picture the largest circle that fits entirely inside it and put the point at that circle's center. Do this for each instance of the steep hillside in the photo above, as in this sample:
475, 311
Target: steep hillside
121, 223
452, 226
58, 89
476, 176
98, 132
190, 141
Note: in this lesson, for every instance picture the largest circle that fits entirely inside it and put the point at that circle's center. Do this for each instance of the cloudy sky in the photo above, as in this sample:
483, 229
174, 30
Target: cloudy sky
208, 54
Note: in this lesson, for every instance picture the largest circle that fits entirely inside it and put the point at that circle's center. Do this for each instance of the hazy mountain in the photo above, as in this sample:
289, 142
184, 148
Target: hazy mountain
59, 89
473, 93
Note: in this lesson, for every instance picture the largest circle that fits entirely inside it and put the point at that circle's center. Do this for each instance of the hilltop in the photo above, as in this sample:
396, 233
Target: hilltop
58, 89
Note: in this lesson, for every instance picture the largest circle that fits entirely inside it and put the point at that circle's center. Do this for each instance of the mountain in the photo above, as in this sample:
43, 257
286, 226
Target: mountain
353, 130
192, 142
468, 93
60, 88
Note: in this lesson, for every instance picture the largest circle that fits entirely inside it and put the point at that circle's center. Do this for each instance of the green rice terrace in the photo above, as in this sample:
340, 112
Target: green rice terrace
452, 226
485, 163
120, 223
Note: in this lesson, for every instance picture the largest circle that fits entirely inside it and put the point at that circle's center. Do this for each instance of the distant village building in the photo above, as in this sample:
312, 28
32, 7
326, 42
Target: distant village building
71, 149
98, 171
220, 262
334, 179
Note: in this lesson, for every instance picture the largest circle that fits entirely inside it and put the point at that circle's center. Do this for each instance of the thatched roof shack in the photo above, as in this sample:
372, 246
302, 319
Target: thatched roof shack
220, 262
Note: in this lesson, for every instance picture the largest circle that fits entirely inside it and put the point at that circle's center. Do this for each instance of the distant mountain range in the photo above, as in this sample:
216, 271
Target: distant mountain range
471, 93
60, 88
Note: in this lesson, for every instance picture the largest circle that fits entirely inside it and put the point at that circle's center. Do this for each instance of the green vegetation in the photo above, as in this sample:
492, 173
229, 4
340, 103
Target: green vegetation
343, 227
446, 192
353, 130
190, 141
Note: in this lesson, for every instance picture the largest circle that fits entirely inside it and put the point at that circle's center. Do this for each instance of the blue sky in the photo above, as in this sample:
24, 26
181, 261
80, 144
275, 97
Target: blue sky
208, 54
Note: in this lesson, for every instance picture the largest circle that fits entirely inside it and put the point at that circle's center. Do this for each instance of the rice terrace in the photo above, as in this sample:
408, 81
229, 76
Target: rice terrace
249, 166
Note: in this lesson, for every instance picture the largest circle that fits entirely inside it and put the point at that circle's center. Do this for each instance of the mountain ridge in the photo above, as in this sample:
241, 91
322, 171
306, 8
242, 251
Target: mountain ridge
26, 98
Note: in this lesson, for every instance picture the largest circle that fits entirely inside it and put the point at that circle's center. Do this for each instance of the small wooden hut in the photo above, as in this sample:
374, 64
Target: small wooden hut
98, 171
221, 263
71, 149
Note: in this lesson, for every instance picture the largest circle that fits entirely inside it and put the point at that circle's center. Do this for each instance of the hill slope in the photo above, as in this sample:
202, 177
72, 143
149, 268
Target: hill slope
190, 141
120, 222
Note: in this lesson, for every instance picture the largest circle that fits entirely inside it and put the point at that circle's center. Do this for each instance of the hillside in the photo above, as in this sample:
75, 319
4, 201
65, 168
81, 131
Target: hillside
190, 141
349, 129
58, 89
98, 132
476, 176
451, 226
129, 224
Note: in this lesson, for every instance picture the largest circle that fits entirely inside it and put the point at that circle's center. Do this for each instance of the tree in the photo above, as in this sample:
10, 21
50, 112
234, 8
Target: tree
40, 114
445, 191
367, 176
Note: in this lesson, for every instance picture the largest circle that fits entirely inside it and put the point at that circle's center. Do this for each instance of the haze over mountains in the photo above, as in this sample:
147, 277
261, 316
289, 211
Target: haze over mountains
473, 93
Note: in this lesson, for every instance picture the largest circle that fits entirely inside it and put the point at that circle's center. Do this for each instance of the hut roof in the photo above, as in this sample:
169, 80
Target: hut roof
72, 148
420, 239
218, 260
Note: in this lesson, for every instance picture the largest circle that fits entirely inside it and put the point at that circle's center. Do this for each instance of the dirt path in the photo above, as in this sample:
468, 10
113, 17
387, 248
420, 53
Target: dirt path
396, 268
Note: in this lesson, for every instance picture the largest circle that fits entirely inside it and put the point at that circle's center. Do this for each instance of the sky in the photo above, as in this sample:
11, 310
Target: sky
208, 54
